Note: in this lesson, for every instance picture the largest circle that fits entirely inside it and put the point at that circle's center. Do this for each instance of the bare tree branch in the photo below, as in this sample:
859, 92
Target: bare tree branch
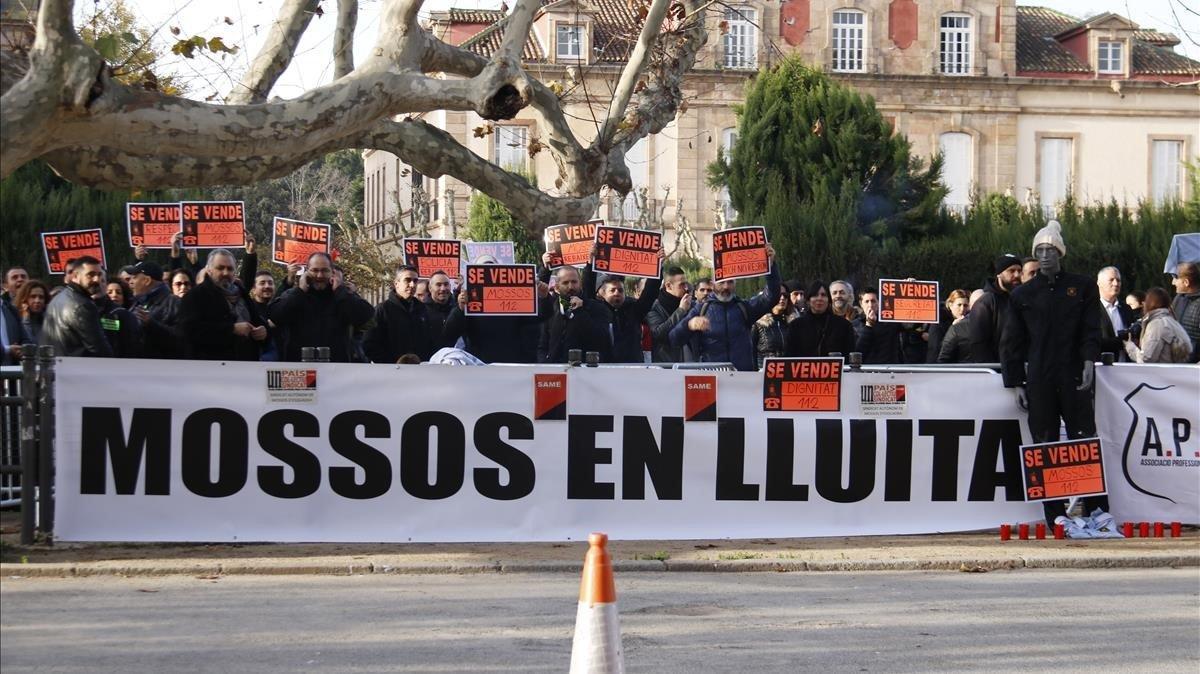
631, 73
343, 38
276, 53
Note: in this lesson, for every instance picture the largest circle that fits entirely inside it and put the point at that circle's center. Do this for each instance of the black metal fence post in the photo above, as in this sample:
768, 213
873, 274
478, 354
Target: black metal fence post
29, 462
45, 393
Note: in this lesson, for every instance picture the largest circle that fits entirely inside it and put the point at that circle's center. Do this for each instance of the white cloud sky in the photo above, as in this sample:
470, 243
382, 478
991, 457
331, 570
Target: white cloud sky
314, 64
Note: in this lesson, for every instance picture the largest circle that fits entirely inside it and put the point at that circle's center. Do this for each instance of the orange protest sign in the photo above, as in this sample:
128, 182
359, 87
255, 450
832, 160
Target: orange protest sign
1056, 470
740, 253
802, 385
213, 224
293, 241
429, 256
571, 245
152, 225
629, 252
62, 247
908, 301
501, 290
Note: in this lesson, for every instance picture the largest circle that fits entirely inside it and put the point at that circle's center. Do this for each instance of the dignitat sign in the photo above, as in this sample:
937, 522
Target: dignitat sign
571, 245
1067, 469
429, 256
213, 224
501, 252
501, 290
628, 252
802, 384
908, 301
62, 247
152, 225
295, 240
740, 253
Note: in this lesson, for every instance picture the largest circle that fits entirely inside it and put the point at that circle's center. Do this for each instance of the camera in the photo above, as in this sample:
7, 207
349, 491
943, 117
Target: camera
1134, 331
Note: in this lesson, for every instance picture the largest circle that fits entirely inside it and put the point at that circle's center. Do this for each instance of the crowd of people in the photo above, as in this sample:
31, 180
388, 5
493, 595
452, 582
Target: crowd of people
226, 310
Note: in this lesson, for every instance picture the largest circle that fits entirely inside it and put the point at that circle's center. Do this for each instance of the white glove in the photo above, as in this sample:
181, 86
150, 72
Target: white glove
1088, 377
1022, 399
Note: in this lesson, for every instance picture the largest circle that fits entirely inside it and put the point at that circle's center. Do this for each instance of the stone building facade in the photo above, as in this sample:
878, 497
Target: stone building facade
1019, 99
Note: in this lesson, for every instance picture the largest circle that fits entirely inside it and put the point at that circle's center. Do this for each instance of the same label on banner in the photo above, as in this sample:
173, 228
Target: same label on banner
700, 398
293, 241
62, 247
213, 224
908, 301
571, 245
1066, 469
430, 256
740, 253
628, 252
550, 397
152, 225
501, 290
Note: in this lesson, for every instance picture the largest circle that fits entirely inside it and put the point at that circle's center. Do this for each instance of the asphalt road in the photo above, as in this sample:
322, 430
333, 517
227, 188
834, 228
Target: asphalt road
1061, 620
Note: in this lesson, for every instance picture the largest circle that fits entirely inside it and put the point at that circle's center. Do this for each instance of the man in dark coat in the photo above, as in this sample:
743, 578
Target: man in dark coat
572, 321
1116, 316
672, 304
401, 322
316, 314
878, 342
622, 317
72, 324
158, 311
987, 314
218, 318
1050, 344
438, 306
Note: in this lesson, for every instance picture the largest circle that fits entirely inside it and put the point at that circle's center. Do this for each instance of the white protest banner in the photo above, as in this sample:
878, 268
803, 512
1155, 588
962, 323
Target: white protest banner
330, 452
1149, 420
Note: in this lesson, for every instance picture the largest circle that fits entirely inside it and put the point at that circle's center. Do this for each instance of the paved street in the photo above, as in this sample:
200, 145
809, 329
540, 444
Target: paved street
1065, 620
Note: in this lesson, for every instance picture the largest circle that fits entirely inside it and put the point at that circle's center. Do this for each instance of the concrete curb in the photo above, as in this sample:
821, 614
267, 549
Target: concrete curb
208, 568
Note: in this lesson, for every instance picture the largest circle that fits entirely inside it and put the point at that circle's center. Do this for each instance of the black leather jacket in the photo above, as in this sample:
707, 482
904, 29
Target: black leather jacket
72, 325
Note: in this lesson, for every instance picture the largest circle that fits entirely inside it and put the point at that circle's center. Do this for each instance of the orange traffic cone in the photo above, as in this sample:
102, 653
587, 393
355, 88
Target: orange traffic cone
596, 648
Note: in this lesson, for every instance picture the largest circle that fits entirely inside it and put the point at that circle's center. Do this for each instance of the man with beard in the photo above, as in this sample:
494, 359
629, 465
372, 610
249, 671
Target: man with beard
1050, 345
438, 305
315, 314
718, 330
72, 323
158, 310
987, 319
841, 296
218, 318
401, 322
878, 342
572, 321
672, 304
818, 332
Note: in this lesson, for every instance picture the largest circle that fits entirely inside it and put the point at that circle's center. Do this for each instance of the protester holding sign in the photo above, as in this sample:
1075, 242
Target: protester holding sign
72, 323
438, 306
218, 318
622, 317
1048, 350
718, 329
878, 341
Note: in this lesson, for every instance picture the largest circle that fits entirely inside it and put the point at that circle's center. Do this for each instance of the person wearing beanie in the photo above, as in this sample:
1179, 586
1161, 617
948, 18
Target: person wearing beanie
986, 320
1050, 343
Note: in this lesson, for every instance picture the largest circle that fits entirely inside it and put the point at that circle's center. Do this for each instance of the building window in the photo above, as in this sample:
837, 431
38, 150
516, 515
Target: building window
848, 40
728, 139
1055, 169
1166, 170
741, 42
955, 44
957, 162
569, 42
511, 146
1108, 57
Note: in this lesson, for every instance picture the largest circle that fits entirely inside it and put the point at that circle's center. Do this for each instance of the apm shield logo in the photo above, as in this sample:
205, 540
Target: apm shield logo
1158, 442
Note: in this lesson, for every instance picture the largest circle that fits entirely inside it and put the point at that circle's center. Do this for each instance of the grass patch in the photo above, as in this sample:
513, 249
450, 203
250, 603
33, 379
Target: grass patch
658, 556
740, 555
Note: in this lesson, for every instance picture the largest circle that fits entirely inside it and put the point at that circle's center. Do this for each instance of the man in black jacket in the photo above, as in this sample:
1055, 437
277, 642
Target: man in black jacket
573, 322
987, 319
315, 314
158, 310
72, 324
438, 306
878, 342
672, 304
1117, 316
401, 322
218, 318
